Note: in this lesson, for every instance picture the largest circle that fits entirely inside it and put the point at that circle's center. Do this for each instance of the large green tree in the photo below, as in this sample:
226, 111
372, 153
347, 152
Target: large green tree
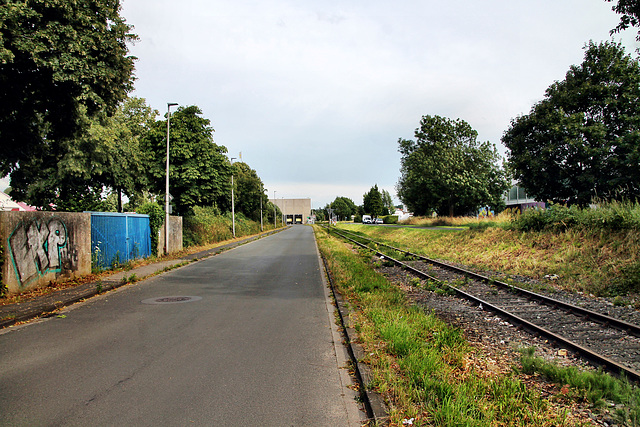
121, 161
108, 155
446, 170
387, 201
344, 207
583, 139
61, 63
630, 11
199, 172
249, 192
372, 202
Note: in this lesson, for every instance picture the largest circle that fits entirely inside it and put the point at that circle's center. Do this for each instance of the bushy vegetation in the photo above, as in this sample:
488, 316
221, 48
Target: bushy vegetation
593, 259
390, 219
3, 287
459, 221
610, 216
207, 225
156, 219
607, 216
596, 387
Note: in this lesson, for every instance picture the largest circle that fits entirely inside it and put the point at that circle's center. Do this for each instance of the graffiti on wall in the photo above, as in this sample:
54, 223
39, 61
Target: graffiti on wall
37, 247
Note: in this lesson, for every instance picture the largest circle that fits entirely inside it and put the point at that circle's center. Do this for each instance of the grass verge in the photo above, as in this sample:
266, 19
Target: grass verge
599, 262
597, 387
419, 362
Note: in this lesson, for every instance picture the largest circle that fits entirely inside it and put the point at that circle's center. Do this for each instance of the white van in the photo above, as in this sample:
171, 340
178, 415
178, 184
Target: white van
366, 219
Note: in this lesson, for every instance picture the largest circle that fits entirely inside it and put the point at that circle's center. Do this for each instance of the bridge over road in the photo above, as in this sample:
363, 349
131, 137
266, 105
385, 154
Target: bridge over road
243, 338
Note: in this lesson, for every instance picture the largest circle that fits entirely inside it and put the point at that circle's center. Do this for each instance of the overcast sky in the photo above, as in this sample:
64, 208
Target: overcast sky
316, 94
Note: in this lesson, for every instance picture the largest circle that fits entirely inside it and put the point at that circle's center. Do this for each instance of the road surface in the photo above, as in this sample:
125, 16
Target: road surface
249, 341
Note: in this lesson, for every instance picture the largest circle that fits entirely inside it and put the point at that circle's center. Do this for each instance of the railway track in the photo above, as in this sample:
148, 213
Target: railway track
606, 341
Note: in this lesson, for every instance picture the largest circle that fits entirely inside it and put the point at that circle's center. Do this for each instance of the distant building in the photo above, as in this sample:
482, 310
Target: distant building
517, 198
7, 204
403, 214
294, 211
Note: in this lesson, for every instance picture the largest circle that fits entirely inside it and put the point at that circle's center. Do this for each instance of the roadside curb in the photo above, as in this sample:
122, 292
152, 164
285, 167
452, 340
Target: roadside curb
48, 305
373, 402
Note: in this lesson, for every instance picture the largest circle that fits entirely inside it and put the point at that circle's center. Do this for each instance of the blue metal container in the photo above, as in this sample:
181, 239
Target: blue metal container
117, 238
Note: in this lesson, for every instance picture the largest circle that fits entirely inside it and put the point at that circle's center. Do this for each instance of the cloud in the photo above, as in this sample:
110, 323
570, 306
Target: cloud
320, 93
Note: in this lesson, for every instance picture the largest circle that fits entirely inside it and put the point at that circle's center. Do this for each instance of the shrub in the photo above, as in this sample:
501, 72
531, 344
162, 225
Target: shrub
609, 216
629, 280
390, 219
482, 225
156, 219
205, 225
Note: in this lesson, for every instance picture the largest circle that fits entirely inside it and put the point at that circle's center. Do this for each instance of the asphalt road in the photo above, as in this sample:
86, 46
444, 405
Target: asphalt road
255, 346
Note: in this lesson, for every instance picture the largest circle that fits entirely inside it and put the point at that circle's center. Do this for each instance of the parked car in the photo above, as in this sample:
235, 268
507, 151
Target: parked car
379, 221
366, 219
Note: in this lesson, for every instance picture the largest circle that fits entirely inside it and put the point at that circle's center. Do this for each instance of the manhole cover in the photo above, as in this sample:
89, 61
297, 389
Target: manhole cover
170, 300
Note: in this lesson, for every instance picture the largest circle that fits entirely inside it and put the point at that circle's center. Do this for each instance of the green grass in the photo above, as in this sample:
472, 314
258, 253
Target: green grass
419, 362
610, 216
206, 225
595, 261
596, 387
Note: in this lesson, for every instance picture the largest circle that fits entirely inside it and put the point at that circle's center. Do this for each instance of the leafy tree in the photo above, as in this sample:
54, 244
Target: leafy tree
445, 170
60, 64
249, 190
630, 11
321, 214
156, 220
583, 139
107, 155
327, 210
268, 211
343, 207
199, 172
126, 159
62, 178
372, 202
121, 161
387, 201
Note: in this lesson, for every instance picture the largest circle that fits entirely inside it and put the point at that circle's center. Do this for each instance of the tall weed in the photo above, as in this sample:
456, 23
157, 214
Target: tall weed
206, 225
613, 215
418, 361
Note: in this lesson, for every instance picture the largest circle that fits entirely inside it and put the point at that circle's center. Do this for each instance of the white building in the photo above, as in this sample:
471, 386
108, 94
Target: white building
6, 204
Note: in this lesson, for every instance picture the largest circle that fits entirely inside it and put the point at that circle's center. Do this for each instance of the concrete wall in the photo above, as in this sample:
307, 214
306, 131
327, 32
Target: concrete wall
39, 247
294, 206
175, 235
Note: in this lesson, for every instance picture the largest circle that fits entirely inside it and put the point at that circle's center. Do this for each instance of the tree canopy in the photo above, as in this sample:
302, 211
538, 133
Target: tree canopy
445, 170
249, 190
372, 202
60, 64
343, 207
630, 11
119, 140
583, 139
199, 171
387, 202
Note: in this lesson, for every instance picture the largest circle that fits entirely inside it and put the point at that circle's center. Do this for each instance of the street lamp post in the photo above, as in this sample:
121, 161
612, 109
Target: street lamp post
275, 222
166, 193
233, 205
261, 226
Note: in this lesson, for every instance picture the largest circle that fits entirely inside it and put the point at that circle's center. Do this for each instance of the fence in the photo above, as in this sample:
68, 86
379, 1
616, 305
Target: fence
118, 238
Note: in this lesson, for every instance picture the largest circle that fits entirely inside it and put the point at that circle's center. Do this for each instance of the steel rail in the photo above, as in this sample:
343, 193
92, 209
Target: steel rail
588, 354
604, 319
